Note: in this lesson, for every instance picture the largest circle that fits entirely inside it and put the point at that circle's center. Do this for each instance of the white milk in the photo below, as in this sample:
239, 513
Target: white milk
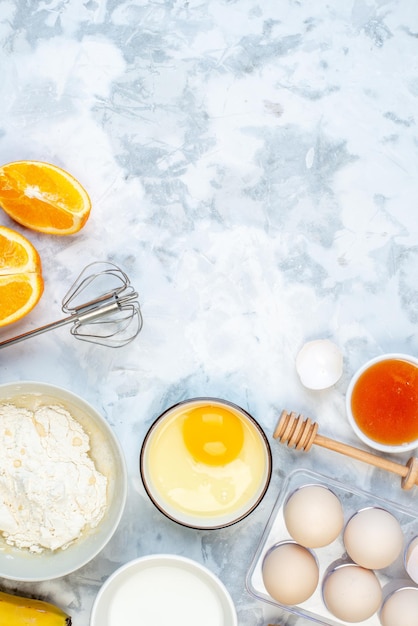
155, 597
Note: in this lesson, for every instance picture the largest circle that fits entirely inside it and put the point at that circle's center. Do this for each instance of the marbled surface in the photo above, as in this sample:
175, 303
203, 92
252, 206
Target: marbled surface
253, 168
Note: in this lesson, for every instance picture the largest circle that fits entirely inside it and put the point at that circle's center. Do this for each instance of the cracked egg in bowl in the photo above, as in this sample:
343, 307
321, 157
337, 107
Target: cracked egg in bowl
205, 463
63, 481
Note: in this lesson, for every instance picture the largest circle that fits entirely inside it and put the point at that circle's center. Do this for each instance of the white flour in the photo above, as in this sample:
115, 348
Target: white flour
50, 489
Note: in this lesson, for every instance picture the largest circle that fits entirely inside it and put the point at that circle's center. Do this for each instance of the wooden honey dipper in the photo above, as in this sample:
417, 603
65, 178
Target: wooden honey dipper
301, 433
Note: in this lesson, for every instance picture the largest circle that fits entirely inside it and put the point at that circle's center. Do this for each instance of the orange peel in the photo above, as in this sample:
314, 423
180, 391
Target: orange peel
43, 197
21, 282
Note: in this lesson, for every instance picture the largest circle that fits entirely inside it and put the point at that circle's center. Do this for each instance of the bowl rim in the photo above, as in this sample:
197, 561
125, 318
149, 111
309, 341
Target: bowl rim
164, 559
381, 447
265, 483
62, 394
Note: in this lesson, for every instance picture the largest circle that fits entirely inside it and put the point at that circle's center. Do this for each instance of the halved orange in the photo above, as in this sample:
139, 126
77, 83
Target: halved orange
21, 282
43, 197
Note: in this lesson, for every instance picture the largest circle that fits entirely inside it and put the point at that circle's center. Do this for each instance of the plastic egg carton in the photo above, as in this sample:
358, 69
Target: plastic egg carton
352, 500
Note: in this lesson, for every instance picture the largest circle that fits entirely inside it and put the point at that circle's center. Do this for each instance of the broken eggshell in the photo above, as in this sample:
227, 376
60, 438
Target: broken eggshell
319, 364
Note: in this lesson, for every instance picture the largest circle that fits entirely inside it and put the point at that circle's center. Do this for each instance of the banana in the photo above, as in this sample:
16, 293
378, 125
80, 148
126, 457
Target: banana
20, 611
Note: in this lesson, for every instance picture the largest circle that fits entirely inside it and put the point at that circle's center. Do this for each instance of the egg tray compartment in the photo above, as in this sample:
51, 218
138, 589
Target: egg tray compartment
352, 500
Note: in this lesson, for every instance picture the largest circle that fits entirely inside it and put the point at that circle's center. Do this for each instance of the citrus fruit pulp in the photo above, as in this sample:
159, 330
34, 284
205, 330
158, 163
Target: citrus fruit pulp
21, 282
43, 197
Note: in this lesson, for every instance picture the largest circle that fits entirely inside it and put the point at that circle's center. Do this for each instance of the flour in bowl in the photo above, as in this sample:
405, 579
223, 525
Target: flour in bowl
50, 489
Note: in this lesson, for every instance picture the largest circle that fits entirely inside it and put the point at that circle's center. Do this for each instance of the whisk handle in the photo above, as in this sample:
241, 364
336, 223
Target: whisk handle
81, 317
36, 331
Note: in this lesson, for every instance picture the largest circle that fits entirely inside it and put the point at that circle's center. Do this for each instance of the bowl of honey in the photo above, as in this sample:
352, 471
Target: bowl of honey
382, 403
205, 463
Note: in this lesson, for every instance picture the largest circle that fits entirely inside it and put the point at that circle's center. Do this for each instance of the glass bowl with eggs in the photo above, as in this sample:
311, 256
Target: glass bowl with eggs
63, 481
329, 552
205, 463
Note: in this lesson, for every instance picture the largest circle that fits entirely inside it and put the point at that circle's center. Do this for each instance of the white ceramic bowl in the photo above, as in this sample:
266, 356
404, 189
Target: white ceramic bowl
163, 589
23, 565
197, 494
377, 445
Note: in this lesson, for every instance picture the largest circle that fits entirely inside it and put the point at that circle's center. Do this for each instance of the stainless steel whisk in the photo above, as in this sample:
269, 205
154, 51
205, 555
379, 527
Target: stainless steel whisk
110, 314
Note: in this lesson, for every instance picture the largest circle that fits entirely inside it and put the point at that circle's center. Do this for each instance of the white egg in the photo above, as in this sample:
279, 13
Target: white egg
411, 560
314, 516
352, 593
290, 573
373, 538
319, 364
400, 608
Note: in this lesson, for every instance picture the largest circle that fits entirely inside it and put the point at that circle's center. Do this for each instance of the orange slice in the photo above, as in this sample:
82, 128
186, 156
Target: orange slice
21, 282
43, 197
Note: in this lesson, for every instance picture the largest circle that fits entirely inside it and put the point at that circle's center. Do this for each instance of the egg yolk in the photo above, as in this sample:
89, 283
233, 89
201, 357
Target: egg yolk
213, 435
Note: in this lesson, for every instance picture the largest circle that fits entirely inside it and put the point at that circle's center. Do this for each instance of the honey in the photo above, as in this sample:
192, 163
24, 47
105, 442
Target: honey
384, 402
